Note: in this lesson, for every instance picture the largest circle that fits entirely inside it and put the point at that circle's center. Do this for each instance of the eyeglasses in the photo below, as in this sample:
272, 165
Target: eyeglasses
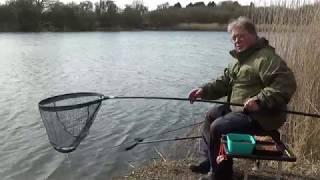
238, 37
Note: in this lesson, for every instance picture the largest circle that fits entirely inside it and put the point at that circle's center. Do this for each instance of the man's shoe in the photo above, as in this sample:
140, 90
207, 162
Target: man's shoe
209, 176
202, 168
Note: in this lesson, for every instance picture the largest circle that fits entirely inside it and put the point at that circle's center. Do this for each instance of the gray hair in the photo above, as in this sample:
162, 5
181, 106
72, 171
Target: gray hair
244, 22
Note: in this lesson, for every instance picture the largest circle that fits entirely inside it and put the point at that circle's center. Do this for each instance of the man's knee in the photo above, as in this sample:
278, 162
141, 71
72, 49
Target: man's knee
216, 112
217, 127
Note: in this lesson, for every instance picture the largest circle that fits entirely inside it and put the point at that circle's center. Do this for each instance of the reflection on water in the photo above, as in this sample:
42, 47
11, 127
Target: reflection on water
39, 65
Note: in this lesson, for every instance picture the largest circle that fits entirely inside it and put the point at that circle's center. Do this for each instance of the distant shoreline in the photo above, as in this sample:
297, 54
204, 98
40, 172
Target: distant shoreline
179, 27
193, 27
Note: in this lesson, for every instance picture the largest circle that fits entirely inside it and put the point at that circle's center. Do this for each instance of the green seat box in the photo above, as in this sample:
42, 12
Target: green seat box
240, 143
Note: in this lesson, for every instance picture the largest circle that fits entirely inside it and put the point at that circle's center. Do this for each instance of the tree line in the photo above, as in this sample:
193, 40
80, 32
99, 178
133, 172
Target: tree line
52, 15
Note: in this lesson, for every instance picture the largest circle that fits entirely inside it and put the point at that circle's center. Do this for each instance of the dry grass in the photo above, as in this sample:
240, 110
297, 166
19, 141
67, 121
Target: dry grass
178, 170
294, 30
162, 170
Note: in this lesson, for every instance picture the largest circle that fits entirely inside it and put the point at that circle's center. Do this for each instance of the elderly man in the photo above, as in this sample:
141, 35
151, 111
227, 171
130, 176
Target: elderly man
259, 79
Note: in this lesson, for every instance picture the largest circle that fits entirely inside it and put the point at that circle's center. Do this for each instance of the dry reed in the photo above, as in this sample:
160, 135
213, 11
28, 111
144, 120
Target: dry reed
293, 28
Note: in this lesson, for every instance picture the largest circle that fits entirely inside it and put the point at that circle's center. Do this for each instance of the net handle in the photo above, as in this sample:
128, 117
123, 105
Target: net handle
102, 98
169, 98
207, 101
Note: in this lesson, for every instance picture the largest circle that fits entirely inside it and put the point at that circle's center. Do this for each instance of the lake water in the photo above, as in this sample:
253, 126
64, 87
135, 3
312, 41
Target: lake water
35, 66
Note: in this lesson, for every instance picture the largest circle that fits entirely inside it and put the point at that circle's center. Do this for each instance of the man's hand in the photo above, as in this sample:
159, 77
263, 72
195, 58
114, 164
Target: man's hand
194, 94
251, 105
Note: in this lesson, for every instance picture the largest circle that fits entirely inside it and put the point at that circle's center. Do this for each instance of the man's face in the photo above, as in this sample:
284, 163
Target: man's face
242, 39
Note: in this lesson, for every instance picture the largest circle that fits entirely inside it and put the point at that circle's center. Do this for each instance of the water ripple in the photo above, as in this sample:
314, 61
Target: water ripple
39, 65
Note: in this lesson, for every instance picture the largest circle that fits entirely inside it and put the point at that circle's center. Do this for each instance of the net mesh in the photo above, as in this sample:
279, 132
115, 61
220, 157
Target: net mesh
67, 118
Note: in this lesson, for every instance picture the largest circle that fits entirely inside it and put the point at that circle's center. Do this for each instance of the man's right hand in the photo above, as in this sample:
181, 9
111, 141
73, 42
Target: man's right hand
194, 94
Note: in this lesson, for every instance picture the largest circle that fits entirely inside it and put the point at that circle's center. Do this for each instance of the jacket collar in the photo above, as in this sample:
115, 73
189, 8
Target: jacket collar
242, 56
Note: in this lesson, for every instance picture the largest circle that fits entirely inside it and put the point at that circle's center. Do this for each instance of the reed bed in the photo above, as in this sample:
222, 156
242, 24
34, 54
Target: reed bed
293, 28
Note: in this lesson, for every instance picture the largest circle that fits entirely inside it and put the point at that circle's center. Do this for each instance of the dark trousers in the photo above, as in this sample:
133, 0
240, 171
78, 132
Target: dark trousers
220, 120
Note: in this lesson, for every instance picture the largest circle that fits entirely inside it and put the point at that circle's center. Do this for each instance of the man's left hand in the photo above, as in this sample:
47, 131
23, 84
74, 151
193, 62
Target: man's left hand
251, 105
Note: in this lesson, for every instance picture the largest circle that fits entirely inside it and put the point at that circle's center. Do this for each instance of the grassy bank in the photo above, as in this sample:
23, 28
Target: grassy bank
164, 166
168, 169
178, 170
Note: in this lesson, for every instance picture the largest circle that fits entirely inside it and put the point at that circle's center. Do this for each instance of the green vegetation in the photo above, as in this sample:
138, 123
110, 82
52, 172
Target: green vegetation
52, 15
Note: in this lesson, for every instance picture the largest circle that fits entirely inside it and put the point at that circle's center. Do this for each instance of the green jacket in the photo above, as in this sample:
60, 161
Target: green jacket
260, 73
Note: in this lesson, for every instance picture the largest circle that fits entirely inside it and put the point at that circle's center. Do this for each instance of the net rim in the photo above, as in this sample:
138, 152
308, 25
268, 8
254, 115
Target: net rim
42, 104
65, 149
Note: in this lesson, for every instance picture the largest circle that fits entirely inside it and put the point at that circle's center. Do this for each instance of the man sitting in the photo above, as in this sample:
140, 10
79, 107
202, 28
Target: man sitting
259, 79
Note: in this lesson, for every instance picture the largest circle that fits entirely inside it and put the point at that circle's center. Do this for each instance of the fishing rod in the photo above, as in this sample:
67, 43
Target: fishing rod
204, 100
207, 101
139, 141
68, 117
169, 98
102, 98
